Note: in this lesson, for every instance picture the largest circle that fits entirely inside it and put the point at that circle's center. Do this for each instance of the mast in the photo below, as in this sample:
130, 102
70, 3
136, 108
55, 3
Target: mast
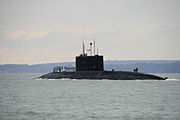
83, 48
91, 49
94, 47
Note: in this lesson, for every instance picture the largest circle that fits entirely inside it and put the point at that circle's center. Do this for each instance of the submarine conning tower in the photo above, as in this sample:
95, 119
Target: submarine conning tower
89, 63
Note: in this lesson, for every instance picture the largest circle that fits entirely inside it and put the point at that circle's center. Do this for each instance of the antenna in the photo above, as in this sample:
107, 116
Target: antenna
94, 47
83, 48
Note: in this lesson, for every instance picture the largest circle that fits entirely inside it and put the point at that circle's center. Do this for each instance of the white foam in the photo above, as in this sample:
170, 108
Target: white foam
172, 79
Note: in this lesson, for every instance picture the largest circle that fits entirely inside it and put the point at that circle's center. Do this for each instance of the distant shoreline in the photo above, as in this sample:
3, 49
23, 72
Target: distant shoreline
147, 66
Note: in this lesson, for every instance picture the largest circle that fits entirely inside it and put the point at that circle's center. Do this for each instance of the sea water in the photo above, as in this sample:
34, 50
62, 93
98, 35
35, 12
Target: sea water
25, 97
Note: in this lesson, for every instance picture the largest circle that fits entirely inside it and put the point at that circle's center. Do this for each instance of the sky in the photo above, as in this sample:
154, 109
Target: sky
47, 31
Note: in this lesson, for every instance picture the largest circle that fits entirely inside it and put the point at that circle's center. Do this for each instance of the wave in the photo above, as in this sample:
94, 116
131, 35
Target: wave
172, 79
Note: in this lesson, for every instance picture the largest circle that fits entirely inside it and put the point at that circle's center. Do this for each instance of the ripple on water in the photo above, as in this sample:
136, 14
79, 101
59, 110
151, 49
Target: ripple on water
22, 97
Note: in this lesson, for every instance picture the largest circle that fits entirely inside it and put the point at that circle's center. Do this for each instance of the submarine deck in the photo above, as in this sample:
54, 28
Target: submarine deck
112, 75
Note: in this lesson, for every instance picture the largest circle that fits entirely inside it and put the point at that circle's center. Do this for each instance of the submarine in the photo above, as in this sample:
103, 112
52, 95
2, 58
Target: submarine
92, 67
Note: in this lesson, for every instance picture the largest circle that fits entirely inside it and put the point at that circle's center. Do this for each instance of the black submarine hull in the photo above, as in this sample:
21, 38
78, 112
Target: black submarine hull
111, 75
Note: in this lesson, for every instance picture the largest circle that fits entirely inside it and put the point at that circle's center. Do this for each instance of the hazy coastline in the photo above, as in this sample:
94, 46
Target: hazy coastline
147, 66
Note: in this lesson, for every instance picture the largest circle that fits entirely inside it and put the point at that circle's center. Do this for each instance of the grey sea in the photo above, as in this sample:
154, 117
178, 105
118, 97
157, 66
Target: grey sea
25, 97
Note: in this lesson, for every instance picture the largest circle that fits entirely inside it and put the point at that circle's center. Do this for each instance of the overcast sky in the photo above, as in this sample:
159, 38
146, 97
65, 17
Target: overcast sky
46, 31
